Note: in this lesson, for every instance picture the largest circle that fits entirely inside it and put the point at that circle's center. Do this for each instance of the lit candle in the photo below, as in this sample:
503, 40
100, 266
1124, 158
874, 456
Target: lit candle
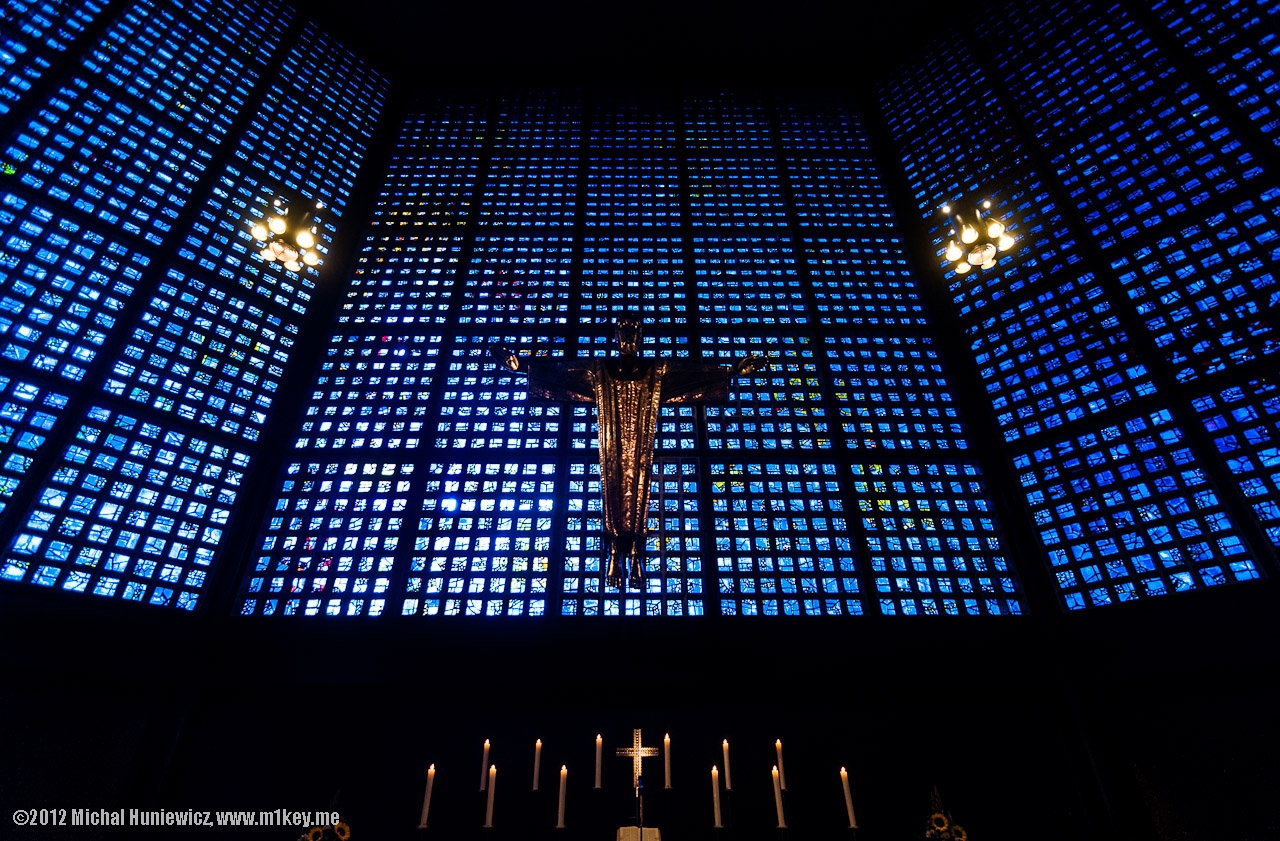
782, 772
484, 765
777, 798
493, 781
848, 798
715, 794
426, 798
597, 760
666, 757
537, 762
564, 775
728, 780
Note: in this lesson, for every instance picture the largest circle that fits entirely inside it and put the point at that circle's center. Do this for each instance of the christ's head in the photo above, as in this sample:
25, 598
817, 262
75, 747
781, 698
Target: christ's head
628, 335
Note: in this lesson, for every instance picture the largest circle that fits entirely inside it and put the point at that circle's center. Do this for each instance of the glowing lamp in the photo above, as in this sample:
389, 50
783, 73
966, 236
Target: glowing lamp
260, 232
306, 240
953, 251
995, 229
277, 225
968, 234
961, 268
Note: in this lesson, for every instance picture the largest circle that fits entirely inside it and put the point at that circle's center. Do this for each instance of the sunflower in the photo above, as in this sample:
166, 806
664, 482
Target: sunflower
316, 833
958, 833
341, 830
939, 821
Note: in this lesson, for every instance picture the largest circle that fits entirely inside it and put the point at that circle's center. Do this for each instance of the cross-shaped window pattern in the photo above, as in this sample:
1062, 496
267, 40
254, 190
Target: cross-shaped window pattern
518, 280
932, 542
633, 274
109, 158
892, 394
1234, 39
1208, 292
1125, 512
205, 355
778, 408
1142, 145
329, 546
371, 392
1244, 422
63, 288
36, 32
952, 132
196, 67
673, 565
27, 412
862, 281
130, 511
640, 192
783, 545
486, 407
483, 540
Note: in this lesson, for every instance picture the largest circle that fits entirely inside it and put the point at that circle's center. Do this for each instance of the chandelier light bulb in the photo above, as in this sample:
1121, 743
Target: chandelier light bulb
962, 267
946, 208
311, 258
292, 265
976, 257
953, 252
276, 224
267, 254
968, 234
988, 253
995, 229
260, 232
986, 205
988, 264
1006, 242
306, 240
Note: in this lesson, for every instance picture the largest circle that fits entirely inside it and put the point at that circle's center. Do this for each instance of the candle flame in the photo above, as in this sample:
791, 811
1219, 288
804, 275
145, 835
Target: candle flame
713, 769
564, 769
493, 769
486, 743
432, 767
539, 743
842, 771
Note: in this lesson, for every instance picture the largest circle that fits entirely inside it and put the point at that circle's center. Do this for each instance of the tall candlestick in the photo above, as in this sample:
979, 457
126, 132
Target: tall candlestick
493, 783
728, 780
848, 798
426, 798
715, 794
537, 762
666, 758
597, 760
564, 775
484, 765
782, 772
777, 798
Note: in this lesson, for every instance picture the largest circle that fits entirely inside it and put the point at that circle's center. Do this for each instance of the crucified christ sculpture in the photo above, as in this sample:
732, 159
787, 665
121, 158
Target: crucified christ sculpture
628, 392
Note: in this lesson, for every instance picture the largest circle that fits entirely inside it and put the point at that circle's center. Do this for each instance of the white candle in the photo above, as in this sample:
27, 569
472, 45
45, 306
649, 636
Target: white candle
537, 762
777, 798
848, 798
484, 765
426, 798
666, 758
493, 783
728, 780
597, 760
782, 772
564, 774
715, 794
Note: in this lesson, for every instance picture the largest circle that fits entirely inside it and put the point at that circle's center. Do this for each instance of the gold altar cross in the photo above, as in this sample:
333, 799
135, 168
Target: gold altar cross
637, 754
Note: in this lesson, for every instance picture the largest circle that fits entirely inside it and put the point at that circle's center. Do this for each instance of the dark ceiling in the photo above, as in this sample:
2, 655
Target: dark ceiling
803, 43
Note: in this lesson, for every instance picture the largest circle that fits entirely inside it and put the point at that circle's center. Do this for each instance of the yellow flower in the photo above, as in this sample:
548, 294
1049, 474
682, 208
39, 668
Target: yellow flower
959, 834
342, 830
316, 833
939, 821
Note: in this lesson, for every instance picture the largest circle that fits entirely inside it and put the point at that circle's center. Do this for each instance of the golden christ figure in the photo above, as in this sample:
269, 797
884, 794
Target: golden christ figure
628, 392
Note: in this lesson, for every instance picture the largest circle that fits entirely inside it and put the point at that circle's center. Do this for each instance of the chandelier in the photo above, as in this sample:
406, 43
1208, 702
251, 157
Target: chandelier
288, 232
981, 238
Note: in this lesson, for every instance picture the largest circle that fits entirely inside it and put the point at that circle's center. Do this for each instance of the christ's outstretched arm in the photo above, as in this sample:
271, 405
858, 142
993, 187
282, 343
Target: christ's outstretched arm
550, 379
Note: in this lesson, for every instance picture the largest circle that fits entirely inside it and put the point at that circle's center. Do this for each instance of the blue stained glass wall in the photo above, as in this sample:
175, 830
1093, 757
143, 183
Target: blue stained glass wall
144, 344
732, 224
1139, 303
